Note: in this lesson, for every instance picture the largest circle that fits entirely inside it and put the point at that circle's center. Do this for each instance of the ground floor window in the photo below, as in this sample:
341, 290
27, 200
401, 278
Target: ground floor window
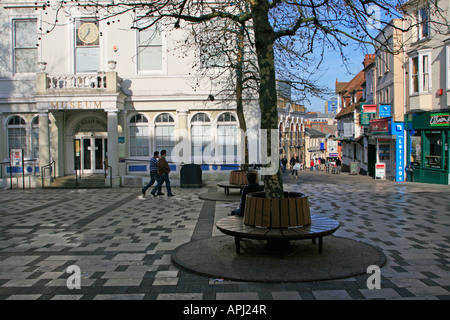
416, 149
432, 145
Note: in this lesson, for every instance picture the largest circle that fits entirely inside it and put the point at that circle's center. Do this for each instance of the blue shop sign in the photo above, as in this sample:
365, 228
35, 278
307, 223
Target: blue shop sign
385, 111
397, 129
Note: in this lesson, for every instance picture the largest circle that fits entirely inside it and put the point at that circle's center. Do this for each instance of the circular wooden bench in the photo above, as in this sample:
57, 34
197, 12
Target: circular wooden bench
228, 186
320, 227
238, 180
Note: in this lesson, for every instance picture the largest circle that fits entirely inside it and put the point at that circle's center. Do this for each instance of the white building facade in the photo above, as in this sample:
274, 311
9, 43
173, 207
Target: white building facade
96, 94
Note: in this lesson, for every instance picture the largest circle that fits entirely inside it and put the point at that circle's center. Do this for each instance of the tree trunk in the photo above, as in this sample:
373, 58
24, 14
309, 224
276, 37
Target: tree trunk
239, 102
264, 39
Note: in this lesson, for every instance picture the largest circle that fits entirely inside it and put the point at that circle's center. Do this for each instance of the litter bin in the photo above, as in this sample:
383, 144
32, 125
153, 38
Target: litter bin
190, 176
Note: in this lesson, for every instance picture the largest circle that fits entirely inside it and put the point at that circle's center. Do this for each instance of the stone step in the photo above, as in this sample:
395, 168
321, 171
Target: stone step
83, 182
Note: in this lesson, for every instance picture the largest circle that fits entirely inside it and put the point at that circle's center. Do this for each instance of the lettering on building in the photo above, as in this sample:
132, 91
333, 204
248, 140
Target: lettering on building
77, 105
440, 119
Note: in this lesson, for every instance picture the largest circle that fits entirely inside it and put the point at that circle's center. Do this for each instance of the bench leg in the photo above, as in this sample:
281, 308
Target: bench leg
237, 243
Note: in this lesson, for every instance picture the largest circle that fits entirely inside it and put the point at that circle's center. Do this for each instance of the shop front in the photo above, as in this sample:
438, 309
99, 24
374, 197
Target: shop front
428, 139
390, 148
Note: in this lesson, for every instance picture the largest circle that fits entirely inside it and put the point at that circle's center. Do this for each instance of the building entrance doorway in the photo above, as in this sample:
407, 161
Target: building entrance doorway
90, 153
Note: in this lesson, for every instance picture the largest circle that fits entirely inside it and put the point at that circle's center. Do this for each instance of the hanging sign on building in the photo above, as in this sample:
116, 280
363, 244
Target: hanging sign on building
379, 126
369, 108
397, 129
385, 111
365, 118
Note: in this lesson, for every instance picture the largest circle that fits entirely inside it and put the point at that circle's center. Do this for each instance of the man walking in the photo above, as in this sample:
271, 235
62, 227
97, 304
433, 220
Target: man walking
153, 174
163, 170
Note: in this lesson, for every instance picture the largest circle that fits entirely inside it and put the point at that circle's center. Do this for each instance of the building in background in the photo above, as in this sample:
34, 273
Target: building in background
427, 91
92, 95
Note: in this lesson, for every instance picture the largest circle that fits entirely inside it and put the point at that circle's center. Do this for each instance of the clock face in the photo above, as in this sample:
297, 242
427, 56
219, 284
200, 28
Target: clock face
88, 33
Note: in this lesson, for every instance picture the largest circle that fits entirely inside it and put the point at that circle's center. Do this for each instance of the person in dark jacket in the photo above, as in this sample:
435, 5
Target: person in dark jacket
252, 186
163, 170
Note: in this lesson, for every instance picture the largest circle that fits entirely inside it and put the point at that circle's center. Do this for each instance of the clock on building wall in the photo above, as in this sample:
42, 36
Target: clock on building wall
88, 33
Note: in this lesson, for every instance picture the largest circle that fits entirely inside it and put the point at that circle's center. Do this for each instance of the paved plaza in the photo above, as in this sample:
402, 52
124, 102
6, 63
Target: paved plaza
122, 242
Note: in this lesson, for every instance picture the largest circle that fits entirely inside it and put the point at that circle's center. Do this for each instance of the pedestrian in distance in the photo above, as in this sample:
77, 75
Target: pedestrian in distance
292, 162
252, 186
338, 165
284, 163
295, 169
163, 171
153, 173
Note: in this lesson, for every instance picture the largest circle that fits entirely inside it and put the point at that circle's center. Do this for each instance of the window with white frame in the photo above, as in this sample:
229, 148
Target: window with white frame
227, 137
448, 66
200, 136
420, 73
35, 138
139, 136
25, 45
17, 134
165, 133
149, 46
87, 46
423, 27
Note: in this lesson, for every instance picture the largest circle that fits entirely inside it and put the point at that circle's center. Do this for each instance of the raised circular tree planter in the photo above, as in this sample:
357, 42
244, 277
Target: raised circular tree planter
292, 211
240, 176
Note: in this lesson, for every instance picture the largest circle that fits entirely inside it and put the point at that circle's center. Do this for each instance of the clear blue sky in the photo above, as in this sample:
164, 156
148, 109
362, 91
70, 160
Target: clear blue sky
333, 69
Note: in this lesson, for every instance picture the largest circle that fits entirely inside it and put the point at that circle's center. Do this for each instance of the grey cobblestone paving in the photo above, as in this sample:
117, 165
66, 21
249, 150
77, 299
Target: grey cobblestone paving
123, 242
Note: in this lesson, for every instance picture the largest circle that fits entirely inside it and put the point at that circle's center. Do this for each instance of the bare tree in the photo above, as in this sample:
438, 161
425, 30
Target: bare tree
270, 23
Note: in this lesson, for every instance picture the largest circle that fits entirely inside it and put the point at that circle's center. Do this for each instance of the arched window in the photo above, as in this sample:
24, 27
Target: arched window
165, 133
200, 135
227, 137
35, 138
139, 137
17, 134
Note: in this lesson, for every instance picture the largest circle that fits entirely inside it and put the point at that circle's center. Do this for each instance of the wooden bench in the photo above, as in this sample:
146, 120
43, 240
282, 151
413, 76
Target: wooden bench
228, 186
238, 180
320, 227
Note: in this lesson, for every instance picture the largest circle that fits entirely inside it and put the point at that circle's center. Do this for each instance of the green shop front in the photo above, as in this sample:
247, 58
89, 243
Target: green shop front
428, 138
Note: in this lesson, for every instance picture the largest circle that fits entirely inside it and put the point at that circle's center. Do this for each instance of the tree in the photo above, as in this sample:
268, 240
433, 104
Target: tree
307, 23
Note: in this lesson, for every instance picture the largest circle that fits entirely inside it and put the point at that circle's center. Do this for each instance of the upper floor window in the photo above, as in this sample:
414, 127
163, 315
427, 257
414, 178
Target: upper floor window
423, 27
420, 69
25, 49
150, 48
87, 46
448, 66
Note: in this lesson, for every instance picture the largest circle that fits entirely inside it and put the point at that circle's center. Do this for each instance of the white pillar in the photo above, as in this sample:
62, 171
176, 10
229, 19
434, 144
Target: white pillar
58, 142
113, 152
183, 141
44, 140
3, 143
